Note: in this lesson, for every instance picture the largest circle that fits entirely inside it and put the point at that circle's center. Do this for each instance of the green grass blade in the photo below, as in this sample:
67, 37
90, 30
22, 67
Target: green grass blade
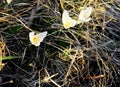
8, 57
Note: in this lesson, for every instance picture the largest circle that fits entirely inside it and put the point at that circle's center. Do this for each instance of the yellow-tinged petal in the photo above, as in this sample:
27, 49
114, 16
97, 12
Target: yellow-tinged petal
9, 1
35, 41
67, 24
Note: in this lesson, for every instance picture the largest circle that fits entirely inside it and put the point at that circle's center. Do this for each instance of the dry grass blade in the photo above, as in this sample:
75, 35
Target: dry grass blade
2, 52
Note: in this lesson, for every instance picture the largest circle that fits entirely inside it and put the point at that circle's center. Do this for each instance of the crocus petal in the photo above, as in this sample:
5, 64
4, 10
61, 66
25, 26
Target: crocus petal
42, 35
88, 11
9, 1
31, 35
73, 22
32, 38
81, 15
37, 43
65, 16
88, 19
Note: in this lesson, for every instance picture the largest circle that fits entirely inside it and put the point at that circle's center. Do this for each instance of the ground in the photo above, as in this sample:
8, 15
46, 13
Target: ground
84, 55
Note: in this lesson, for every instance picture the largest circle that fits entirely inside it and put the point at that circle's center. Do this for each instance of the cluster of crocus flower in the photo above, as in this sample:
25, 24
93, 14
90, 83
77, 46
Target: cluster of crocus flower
68, 22
84, 16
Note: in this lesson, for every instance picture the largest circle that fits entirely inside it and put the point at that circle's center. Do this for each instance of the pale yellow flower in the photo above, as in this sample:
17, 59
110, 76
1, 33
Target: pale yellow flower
84, 15
9, 1
38, 38
67, 20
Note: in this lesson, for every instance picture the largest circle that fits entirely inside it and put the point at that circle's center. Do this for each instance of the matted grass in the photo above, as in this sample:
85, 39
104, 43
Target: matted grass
86, 55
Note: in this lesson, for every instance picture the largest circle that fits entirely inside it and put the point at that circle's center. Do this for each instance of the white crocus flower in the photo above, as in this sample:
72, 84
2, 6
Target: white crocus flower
9, 1
67, 20
84, 15
38, 38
